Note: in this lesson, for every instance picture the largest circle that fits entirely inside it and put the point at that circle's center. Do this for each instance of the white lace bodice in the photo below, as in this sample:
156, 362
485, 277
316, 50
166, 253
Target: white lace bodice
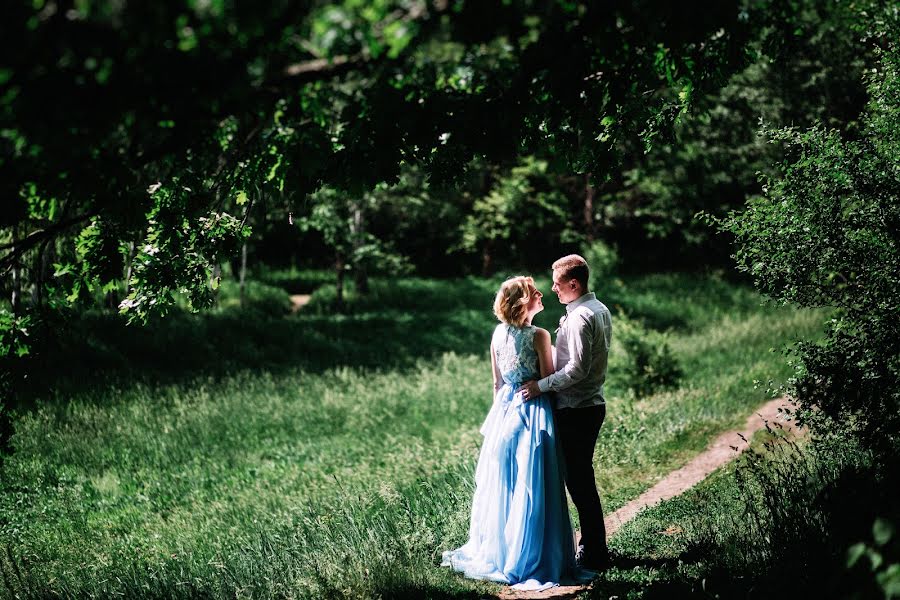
515, 354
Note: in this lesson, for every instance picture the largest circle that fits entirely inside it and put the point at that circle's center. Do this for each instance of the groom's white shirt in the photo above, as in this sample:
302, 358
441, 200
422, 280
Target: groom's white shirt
582, 353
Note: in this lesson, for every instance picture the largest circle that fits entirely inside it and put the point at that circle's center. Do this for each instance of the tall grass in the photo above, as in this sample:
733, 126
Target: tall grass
324, 455
784, 521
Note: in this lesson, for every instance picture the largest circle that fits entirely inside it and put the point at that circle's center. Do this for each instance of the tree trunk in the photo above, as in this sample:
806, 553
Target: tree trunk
112, 300
339, 283
48, 254
589, 194
487, 259
217, 275
128, 268
37, 285
243, 275
357, 231
16, 298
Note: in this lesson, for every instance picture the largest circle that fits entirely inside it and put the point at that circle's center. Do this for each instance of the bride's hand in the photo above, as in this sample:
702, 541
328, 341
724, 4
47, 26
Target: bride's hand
529, 390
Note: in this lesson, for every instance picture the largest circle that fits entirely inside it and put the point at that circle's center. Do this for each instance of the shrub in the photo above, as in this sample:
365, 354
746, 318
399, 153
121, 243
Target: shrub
878, 558
13, 334
295, 280
259, 297
602, 259
796, 520
651, 366
825, 235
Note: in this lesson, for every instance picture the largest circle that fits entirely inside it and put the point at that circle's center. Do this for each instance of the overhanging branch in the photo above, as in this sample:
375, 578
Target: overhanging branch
20, 247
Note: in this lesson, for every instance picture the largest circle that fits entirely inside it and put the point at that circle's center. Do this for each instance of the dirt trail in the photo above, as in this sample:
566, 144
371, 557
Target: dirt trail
298, 301
722, 450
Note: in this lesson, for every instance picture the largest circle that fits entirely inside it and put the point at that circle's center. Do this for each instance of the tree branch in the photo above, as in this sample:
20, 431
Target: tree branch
320, 68
34, 238
311, 70
322, 65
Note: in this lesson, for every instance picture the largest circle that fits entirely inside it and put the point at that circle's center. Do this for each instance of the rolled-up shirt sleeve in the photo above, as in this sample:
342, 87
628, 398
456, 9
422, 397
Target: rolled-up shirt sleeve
580, 343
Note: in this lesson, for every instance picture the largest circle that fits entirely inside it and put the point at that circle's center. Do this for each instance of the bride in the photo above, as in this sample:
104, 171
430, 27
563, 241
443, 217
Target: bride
519, 532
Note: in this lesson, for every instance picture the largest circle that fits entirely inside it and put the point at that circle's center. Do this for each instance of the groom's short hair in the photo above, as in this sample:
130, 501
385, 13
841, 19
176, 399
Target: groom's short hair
573, 267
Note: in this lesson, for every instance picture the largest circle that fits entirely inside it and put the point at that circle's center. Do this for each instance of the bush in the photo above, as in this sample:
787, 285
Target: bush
825, 235
295, 280
259, 297
651, 367
799, 520
602, 259
878, 559
13, 334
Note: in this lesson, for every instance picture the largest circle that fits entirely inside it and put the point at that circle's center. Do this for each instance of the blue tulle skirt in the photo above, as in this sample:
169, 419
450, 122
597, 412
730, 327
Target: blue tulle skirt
520, 532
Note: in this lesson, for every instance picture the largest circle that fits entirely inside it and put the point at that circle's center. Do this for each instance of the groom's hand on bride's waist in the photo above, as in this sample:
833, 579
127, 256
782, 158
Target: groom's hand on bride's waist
529, 390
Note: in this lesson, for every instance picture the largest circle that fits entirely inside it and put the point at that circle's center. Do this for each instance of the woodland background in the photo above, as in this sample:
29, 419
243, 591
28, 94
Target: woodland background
173, 173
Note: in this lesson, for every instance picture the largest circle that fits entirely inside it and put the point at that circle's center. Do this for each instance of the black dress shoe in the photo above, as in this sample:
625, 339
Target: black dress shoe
591, 562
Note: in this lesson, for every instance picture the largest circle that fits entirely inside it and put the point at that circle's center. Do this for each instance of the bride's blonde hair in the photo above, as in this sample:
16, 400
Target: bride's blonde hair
511, 303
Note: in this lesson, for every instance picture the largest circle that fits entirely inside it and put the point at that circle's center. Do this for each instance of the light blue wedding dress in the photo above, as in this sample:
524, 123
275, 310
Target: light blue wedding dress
520, 532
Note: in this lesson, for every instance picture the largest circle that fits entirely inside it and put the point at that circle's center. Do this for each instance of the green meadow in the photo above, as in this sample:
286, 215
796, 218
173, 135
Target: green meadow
252, 453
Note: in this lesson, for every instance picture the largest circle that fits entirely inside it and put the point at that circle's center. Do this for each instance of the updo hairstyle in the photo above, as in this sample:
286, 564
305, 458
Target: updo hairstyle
511, 303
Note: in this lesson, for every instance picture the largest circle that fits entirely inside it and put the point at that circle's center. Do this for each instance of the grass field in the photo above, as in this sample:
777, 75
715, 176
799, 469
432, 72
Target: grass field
253, 454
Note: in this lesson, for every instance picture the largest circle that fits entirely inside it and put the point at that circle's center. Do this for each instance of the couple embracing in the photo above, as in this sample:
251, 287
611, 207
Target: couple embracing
539, 439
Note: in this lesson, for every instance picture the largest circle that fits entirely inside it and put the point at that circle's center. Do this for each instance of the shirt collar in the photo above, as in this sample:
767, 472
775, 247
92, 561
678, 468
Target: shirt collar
579, 301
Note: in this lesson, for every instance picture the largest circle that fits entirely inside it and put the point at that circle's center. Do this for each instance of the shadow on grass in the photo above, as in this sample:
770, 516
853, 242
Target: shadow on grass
187, 591
416, 592
393, 328
678, 301
627, 577
399, 323
783, 524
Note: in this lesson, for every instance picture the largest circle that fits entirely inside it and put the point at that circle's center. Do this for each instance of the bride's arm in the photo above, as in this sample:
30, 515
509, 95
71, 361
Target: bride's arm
544, 351
495, 372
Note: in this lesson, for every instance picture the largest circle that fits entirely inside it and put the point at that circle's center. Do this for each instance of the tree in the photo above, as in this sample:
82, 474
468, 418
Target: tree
815, 76
824, 234
341, 220
524, 209
200, 102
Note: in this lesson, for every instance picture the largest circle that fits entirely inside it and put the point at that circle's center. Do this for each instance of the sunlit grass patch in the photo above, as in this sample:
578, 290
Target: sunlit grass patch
324, 454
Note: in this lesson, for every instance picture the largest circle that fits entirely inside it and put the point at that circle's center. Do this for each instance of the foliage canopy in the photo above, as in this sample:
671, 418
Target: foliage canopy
158, 126
825, 234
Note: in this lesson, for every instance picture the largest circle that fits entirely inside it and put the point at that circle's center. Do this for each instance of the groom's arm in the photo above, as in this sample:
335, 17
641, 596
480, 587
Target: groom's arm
580, 345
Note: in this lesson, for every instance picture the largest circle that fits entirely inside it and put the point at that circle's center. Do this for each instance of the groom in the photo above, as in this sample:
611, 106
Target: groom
582, 348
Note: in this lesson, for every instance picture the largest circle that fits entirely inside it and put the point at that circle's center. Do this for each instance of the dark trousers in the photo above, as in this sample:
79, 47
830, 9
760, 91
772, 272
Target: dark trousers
578, 429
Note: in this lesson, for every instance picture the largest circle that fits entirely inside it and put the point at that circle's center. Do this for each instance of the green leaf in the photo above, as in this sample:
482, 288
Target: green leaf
854, 553
62, 269
876, 559
76, 292
889, 580
882, 531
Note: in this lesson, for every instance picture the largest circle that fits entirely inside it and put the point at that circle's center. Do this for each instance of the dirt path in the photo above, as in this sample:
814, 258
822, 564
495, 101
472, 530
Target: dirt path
298, 301
722, 450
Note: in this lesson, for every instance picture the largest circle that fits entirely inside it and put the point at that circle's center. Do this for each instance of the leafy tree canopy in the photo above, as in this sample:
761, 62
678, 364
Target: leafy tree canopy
154, 127
825, 234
